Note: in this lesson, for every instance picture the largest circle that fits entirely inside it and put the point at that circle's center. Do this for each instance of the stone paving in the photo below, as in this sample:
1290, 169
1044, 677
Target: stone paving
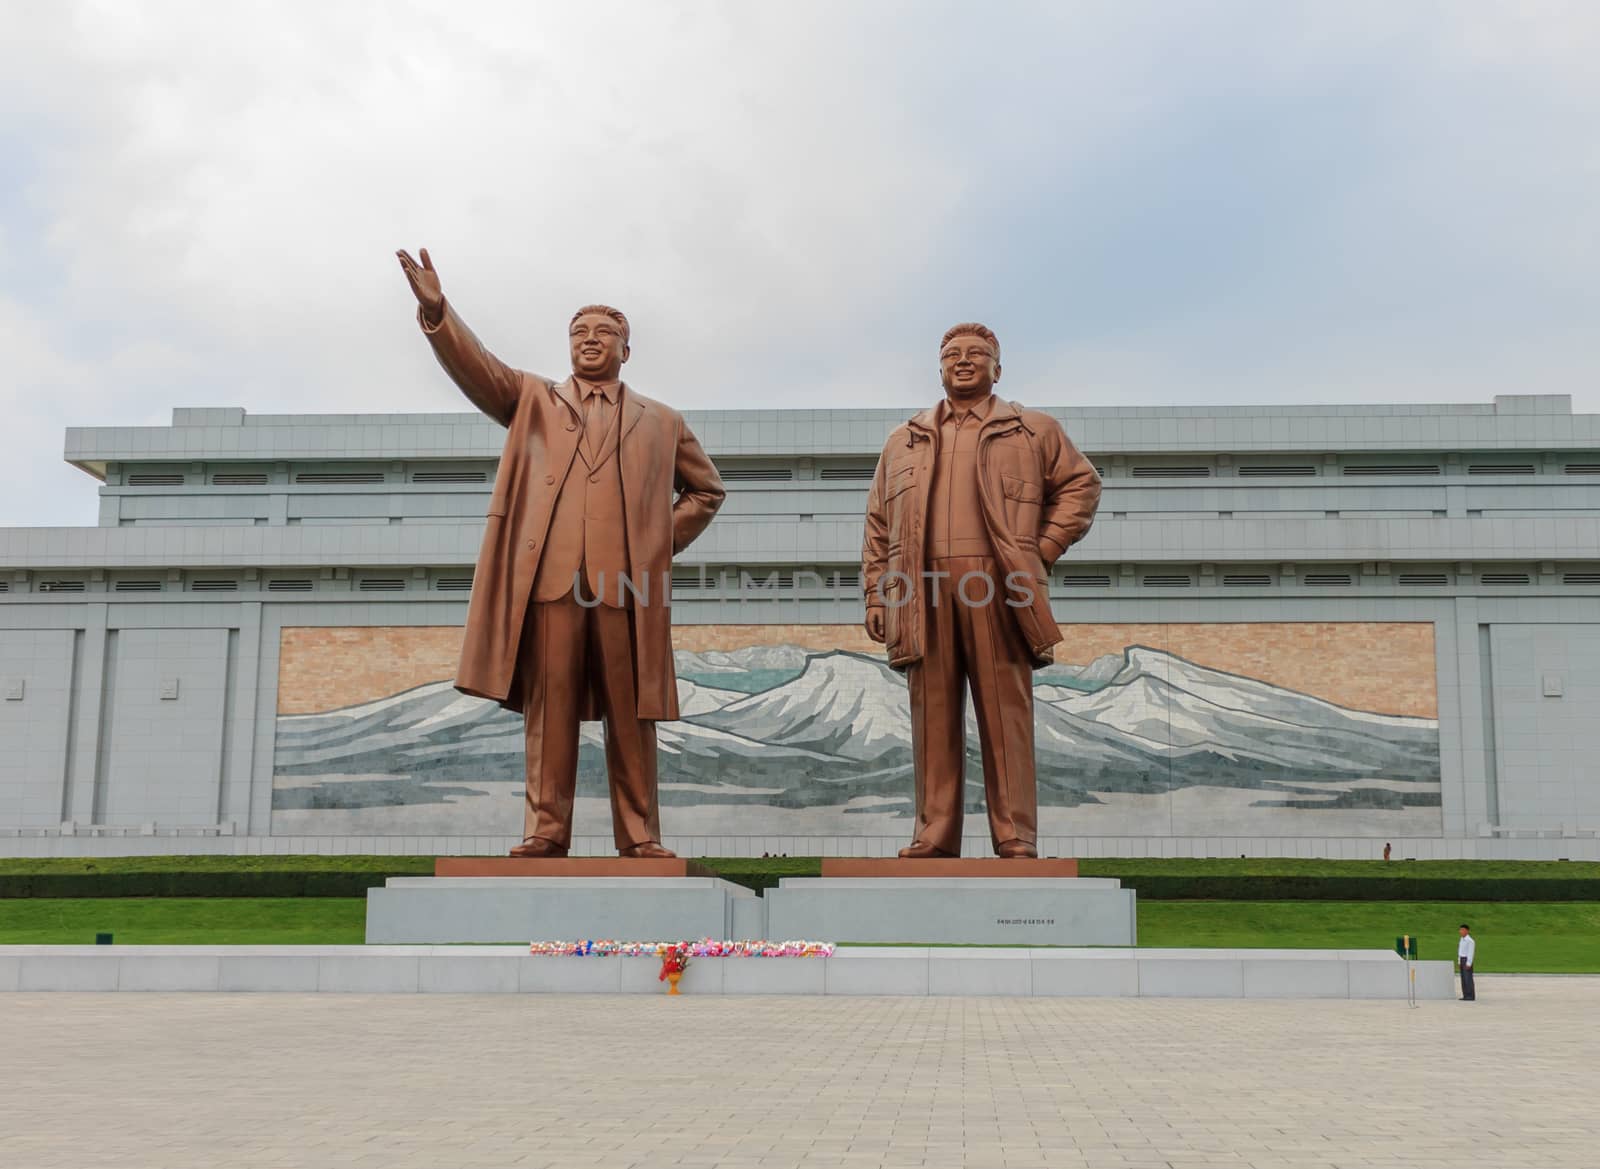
181, 1080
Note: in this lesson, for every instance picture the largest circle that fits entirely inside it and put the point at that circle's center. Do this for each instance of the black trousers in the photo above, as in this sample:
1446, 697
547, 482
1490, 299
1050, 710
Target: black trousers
1467, 991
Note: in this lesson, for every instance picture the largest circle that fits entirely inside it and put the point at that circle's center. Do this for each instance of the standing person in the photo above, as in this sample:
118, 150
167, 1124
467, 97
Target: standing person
1465, 953
598, 488
974, 499
1386, 850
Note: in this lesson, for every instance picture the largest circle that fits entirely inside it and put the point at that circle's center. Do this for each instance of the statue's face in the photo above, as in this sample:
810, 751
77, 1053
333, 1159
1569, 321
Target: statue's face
598, 347
967, 366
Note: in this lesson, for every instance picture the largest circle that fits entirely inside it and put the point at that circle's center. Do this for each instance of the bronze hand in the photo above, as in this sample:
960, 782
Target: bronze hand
425, 285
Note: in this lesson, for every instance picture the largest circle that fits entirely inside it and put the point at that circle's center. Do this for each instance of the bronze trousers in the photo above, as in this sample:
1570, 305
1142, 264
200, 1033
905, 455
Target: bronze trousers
568, 650
969, 644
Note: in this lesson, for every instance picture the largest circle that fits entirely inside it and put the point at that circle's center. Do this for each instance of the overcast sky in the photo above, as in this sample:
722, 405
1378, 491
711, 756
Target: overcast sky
1152, 203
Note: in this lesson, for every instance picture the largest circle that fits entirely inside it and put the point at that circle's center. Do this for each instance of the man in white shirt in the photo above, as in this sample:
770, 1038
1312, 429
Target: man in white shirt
1464, 955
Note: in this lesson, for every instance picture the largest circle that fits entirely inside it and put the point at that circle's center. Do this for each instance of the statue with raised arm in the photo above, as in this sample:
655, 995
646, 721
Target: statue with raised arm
570, 620
973, 501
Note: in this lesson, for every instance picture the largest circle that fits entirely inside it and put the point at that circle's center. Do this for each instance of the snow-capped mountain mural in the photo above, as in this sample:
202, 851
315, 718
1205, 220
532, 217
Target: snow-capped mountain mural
1139, 741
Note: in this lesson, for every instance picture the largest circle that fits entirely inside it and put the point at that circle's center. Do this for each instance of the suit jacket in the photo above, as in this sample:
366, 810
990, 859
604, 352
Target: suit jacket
1039, 496
670, 492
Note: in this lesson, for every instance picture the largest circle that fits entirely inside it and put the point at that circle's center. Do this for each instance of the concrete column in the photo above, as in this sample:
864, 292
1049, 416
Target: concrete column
1465, 799
88, 717
244, 688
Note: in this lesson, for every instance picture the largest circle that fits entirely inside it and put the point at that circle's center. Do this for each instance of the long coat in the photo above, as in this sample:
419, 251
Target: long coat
1038, 494
670, 491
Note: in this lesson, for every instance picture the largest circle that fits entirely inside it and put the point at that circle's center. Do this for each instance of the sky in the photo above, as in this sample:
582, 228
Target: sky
1151, 203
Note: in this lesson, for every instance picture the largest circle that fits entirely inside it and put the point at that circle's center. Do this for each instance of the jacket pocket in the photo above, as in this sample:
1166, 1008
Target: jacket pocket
1021, 490
900, 484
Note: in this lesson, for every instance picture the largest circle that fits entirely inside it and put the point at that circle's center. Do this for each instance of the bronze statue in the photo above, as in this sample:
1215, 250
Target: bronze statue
598, 488
974, 499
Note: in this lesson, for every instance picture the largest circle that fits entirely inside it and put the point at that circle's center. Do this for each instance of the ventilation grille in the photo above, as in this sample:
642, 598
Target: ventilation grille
450, 476
1323, 579
690, 583
240, 478
1170, 472
330, 478
1086, 581
61, 586
1500, 469
453, 584
289, 585
136, 586
381, 584
767, 580
843, 580
1582, 468
155, 479
1252, 470
756, 474
1423, 578
1246, 579
1394, 469
5, 586
1581, 578
1503, 578
859, 474
213, 586
1167, 581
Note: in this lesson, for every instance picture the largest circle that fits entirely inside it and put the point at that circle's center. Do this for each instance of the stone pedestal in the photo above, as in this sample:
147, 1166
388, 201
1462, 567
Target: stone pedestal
961, 910
442, 910
567, 866
951, 866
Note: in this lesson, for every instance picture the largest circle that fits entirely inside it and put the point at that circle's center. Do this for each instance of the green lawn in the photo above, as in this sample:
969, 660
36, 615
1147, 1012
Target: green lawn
1555, 937
1524, 936
177, 921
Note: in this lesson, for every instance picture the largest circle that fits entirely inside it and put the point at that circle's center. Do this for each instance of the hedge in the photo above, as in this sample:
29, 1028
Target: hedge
296, 880
1161, 887
288, 883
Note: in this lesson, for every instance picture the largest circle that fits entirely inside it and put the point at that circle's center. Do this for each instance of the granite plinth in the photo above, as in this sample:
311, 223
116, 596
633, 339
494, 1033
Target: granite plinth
978, 911
955, 866
855, 970
445, 910
567, 866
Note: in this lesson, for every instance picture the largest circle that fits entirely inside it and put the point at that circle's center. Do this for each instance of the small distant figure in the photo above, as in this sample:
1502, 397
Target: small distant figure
766, 856
1387, 849
1465, 953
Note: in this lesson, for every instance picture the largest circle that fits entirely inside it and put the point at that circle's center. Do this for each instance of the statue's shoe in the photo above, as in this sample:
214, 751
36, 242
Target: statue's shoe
918, 851
1017, 849
538, 846
649, 850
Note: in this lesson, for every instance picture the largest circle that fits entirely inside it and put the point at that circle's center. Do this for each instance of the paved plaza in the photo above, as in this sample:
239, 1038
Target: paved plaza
179, 1080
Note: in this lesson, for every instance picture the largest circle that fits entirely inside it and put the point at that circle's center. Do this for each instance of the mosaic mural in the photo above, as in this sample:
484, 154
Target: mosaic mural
1278, 729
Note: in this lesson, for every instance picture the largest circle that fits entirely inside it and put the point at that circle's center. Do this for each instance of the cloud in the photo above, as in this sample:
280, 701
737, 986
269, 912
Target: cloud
1150, 204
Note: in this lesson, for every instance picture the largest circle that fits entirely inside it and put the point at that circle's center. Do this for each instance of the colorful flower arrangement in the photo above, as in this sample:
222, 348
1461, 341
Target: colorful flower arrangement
705, 948
674, 960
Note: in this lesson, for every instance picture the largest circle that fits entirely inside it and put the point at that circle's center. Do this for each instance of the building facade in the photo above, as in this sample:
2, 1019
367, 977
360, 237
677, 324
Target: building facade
1292, 631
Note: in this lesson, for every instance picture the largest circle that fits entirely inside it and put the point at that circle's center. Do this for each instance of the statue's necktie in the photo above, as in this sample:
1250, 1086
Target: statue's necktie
594, 423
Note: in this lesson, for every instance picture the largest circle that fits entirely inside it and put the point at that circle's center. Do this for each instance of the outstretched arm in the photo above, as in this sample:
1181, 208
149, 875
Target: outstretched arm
700, 490
489, 383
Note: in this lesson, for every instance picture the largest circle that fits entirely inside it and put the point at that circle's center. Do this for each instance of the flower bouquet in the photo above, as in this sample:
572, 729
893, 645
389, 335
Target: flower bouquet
674, 961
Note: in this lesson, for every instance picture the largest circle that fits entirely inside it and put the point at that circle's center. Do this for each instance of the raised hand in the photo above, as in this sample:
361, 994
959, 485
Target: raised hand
424, 285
